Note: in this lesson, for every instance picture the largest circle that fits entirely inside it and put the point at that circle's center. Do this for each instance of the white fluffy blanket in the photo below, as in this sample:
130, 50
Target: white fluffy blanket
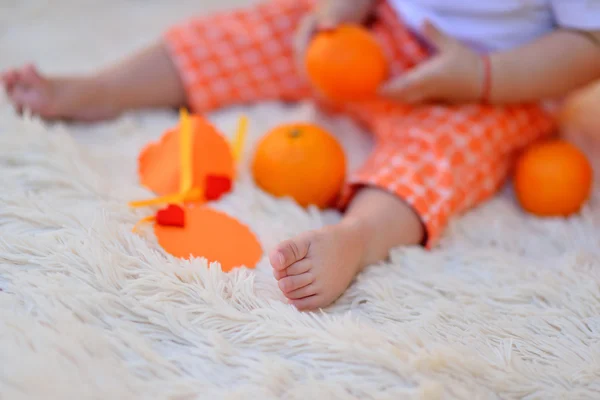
507, 307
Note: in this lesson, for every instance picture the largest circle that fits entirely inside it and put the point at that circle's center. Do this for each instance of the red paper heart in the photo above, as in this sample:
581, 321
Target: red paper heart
216, 186
173, 215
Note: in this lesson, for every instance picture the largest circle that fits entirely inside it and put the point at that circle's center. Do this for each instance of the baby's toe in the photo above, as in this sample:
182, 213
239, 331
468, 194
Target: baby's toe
291, 283
306, 291
9, 78
18, 96
279, 274
30, 76
297, 268
309, 303
24, 98
289, 252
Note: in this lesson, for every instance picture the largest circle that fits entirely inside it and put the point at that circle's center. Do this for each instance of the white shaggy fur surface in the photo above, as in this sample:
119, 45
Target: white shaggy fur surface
506, 308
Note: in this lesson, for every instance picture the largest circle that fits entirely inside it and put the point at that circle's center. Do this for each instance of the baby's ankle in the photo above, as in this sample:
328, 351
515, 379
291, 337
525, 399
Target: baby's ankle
362, 234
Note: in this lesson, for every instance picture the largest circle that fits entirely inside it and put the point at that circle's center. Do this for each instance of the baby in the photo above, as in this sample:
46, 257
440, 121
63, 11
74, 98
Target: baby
465, 94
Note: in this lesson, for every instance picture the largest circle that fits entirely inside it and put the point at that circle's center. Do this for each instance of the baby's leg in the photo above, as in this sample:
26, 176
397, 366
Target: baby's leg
145, 79
430, 164
218, 60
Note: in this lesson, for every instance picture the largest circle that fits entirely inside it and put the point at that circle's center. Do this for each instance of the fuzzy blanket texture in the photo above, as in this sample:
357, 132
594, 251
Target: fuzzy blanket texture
507, 307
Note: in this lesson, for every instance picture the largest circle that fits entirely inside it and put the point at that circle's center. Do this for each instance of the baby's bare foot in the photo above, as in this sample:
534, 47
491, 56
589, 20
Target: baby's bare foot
56, 98
315, 268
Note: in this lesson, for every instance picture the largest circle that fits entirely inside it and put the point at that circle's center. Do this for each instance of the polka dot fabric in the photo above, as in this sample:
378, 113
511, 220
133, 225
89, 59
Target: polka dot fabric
441, 160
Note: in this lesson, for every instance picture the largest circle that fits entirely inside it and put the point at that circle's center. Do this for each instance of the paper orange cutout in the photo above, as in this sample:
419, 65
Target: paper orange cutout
159, 163
213, 235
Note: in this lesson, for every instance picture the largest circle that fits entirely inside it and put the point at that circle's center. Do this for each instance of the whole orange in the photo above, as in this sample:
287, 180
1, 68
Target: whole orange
346, 63
553, 178
302, 161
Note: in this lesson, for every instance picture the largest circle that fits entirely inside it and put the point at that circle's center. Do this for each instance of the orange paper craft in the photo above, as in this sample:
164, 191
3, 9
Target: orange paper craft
213, 235
160, 162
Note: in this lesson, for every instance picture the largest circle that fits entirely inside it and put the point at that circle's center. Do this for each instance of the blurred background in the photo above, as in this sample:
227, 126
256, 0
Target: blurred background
71, 35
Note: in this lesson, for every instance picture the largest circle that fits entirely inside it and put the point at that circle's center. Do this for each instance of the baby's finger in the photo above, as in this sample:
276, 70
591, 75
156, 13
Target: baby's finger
9, 79
410, 87
330, 14
326, 16
304, 35
416, 97
333, 13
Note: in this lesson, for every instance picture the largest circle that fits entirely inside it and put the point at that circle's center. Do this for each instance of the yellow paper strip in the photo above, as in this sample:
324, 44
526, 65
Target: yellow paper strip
172, 198
144, 220
193, 195
240, 138
186, 138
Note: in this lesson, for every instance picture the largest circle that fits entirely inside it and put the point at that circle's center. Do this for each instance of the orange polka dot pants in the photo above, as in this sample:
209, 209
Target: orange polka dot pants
441, 160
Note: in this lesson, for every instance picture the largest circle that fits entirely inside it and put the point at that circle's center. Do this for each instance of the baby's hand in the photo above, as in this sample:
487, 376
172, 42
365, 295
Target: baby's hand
454, 75
327, 15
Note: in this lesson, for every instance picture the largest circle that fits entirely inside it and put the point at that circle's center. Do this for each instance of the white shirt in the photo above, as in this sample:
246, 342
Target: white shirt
499, 24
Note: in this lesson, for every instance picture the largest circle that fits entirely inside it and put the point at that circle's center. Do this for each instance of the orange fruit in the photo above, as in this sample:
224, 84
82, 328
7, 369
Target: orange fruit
302, 161
346, 63
553, 178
